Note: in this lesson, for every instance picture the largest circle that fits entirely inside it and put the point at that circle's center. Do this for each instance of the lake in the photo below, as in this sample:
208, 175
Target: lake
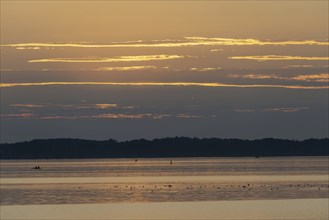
166, 188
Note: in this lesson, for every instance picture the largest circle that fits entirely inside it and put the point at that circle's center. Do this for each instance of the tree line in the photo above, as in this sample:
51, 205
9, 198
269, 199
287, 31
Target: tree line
164, 147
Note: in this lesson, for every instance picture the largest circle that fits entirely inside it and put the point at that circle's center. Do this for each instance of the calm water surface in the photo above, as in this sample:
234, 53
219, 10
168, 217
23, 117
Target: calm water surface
158, 180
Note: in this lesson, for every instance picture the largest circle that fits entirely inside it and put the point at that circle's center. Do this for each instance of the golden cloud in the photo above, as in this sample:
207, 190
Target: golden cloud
27, 105
205, 69
186, 41
255, 76
21, 115
8, 85
108, 60
72, 106
105, 106
288, 110
320, 77
278, 57
97, 116
126, 68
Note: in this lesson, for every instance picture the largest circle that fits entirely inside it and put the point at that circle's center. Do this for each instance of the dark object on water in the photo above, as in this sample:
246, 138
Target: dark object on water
36, 168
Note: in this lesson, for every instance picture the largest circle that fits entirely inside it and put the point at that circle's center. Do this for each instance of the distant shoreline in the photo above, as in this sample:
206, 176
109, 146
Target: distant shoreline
162, 148
174, 159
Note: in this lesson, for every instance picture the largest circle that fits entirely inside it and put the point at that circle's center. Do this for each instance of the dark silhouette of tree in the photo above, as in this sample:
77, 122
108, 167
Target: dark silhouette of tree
165, 147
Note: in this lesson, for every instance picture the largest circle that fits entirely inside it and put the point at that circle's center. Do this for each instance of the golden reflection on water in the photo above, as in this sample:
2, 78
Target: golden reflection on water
158, 180
155, 179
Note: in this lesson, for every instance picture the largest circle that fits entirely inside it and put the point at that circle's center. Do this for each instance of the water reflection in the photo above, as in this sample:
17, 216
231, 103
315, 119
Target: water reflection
162, 167
152, 180
157, 192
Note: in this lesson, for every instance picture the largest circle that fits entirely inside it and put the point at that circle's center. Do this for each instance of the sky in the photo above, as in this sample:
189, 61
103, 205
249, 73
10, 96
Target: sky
152, 69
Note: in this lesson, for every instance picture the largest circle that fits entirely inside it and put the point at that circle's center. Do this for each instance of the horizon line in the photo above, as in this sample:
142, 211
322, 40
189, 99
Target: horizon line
169, 137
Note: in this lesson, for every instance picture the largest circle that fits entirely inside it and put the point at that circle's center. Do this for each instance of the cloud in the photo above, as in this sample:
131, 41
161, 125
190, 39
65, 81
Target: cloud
86, 106
205, 69
108, 60
182, 84
248, 42
278, 57
298, 66
96, 116
73, 106
244, 110
155, 116
320, 77
287, 110
215, 50
27, 105
13, 116
121, 116
105, 106
186, 115
126, 68
28, 48
184, 42
254, 76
